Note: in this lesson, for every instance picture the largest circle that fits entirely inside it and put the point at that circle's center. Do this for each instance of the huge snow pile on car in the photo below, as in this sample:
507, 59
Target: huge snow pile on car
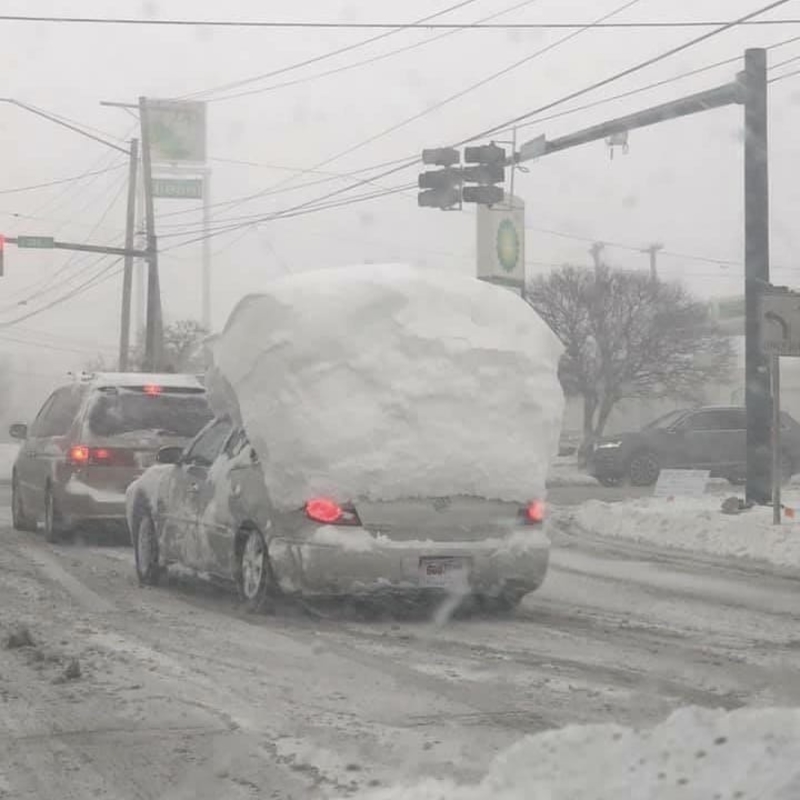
385, 382
696, 754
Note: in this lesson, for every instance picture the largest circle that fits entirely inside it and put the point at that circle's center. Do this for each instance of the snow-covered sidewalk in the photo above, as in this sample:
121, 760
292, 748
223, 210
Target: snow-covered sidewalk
564, 471
694, 755
696, 524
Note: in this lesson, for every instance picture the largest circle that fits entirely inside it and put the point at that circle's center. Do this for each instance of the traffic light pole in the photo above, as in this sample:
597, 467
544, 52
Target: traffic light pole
750, 90
153, 326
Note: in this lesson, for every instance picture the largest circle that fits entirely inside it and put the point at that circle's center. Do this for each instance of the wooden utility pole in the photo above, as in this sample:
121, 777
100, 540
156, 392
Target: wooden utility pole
153, 328
127, 276
653, 252
596, 251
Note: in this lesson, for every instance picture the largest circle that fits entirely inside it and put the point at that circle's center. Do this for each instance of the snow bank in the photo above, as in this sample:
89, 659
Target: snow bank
564, 471
385, 382
694, 755
8, 454
697, 524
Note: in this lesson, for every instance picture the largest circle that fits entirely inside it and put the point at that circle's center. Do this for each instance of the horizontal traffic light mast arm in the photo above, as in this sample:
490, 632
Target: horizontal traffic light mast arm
719, 97
87, 248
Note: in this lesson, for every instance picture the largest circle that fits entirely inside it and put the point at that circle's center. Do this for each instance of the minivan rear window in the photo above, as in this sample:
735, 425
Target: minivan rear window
118, 411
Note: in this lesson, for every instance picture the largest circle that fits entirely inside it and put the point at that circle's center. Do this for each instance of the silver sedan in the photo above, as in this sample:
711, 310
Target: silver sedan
207, 508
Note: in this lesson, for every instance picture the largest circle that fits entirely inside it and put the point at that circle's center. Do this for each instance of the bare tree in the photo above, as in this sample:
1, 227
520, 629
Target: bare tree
629, 336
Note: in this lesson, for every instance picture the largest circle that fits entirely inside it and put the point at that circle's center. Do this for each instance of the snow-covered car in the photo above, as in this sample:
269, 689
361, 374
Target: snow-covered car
378, 429
208, 508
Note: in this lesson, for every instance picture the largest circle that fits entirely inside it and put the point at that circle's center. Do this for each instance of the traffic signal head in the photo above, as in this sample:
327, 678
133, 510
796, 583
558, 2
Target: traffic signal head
439, 179
484, 173
441, 156
483, 195
440, 198
485, 154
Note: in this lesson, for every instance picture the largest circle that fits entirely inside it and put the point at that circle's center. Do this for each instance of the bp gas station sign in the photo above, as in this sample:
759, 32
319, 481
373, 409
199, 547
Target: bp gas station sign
501, 243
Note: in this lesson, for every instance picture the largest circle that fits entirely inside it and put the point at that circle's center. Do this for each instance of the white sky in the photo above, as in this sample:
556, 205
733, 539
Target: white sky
680, 184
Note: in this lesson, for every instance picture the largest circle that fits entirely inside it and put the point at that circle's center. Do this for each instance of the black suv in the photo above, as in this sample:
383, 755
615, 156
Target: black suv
709, 438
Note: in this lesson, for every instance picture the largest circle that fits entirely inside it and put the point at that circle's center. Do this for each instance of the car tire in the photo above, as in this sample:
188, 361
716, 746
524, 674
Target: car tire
53, 524
643, 469
19, 518
254, 572
145, 550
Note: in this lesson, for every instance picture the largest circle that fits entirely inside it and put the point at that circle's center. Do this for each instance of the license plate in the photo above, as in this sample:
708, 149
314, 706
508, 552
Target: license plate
444, 572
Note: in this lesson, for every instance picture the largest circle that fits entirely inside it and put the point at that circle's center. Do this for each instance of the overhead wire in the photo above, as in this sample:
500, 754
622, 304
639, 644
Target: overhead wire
392, 26
322, 56
61, 181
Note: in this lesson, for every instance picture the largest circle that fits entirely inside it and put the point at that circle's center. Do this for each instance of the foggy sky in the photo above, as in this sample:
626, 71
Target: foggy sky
680, 184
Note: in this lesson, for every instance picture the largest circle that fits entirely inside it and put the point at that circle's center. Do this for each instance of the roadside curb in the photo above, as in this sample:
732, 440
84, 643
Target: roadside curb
566, 527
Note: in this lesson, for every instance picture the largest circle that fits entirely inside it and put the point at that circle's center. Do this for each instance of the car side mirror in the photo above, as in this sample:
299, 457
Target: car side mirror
18, 431
169, 455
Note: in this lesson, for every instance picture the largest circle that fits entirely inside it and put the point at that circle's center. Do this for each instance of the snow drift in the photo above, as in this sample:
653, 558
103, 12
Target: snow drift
385, 382
694, 755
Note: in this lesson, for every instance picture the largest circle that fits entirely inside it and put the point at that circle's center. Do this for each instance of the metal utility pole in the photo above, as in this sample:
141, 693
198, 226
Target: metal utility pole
127, 277
749, 89
153, 328
596, 251
653, 251
756, 216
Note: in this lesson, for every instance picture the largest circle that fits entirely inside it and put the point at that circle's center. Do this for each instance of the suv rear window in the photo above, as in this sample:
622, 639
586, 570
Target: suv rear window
117, 411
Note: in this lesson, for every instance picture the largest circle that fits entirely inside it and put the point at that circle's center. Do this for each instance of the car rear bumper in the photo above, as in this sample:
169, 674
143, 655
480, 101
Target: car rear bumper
79, 502
516, 564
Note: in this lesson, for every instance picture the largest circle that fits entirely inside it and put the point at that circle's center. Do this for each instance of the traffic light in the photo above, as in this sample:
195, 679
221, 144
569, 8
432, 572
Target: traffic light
490, 170
443, 186
2, 253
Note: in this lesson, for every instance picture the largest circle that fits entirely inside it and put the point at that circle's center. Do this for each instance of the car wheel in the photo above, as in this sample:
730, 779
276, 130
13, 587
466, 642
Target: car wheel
145, 548
643, 469
610, 480
19, 518
53, 524
254, 573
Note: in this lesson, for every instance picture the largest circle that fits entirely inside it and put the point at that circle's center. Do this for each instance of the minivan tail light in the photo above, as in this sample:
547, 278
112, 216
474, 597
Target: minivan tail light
80, 455
329, 512
534, 513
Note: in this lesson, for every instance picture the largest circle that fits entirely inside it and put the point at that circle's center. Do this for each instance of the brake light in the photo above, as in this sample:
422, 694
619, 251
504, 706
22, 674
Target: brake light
535, 513
80, 456
153, 390
329, 512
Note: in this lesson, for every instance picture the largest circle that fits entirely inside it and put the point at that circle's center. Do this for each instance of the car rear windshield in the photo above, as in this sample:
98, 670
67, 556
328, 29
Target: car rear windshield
167, 413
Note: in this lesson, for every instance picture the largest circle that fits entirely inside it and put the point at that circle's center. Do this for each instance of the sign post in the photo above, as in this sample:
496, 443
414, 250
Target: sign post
779, 319
501, 244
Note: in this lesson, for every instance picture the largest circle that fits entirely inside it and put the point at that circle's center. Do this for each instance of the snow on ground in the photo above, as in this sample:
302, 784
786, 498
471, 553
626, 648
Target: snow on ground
8, 454
564, 471
696, 524
696, 754
384, 382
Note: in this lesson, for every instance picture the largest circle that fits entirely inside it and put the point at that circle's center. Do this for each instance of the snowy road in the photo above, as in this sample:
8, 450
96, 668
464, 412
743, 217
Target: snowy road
181, 696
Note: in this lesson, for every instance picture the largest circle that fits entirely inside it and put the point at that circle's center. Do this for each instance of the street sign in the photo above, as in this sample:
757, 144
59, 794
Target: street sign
501, 243
779, 314
535, 148
177, 131
178, 188
40, 242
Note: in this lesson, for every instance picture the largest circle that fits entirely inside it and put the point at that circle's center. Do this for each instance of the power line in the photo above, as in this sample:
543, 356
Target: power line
784, 77
324, 56
629, 71
367, 61
73, 179
392, 26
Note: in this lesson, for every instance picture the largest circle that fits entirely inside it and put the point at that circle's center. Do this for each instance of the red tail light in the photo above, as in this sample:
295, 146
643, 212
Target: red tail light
534, 513
80, 456
152, 389
329, 512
